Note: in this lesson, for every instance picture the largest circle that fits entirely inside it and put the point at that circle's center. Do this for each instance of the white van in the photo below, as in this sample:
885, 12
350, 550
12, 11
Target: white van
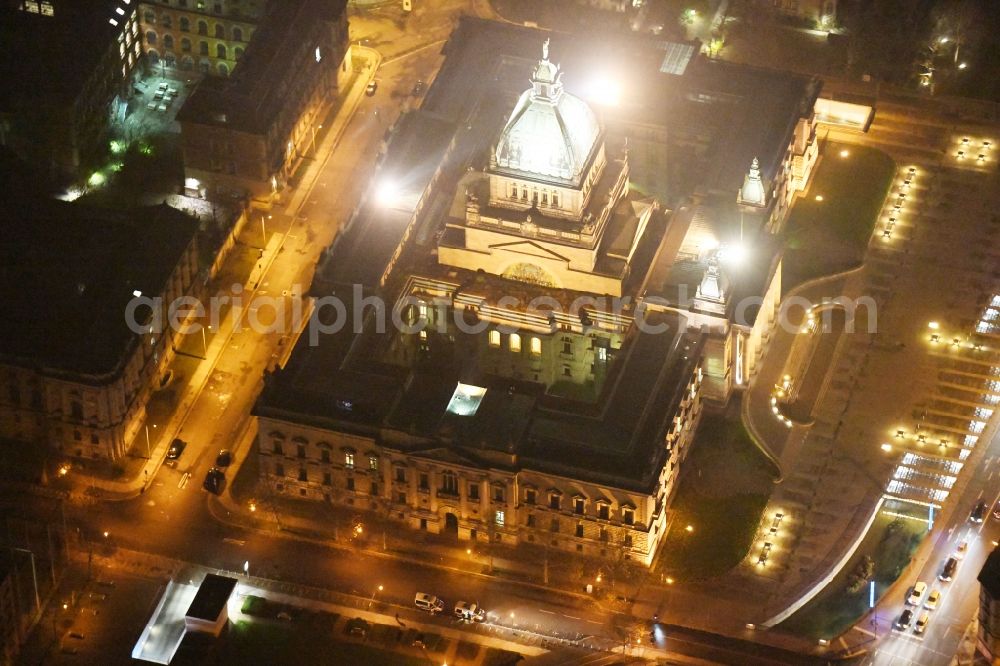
428, 602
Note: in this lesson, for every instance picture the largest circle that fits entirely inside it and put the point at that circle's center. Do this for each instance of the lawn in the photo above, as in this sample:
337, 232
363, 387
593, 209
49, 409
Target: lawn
832, 234
891, 543
723, 492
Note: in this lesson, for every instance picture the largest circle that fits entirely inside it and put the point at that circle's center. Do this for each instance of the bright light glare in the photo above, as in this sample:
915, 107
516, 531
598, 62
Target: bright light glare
604, 90
962, 65
734, 255
845, 152
96, 179
386, 193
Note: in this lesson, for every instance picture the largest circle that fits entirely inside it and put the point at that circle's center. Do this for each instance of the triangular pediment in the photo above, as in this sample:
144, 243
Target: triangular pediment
529, 249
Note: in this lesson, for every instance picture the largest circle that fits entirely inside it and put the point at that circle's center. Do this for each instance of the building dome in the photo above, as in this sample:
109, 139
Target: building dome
550, 133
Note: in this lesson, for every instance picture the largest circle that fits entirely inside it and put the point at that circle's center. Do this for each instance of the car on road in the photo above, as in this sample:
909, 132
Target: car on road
996, 511
905, 619
419, 87
224, 459
921, 624
963, 548
214, 480
176, 449
471, 612
371, 88
917, 594
978, 512
428, 602
948, 572
933, 599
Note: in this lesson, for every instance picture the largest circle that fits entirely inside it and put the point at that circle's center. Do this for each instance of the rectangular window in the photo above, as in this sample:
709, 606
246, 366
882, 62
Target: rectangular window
349, 460
567, 347
498, 493
602, 511
373, 463
515, 343
400, 475
529, 496
277, 447
602, 353
628, 516
401, 498
555, 501
579, 529
324, 455
531, 520
302, 450
627, 541
536, 346
374, 489
425, 483
554, 525
350, 483
474, 492
499, 518
555, 200
302, 474
578, 505
604, 534
545, 199
494, 338
327, 479
279, 469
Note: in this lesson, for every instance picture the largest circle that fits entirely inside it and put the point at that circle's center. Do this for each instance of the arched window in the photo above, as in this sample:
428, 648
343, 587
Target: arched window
220, 51
150, 37
149, 17
223, 69
185, 45
237, 35
202, 28
185, 24
237, 53
203, 48
165, 20
168, 41
153, 56
220, 31
187, 62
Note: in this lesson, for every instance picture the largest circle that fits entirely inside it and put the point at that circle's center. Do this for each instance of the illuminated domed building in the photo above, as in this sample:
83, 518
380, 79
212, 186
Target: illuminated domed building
552, 206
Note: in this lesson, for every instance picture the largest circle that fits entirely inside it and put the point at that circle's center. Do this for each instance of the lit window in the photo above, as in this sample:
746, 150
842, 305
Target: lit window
319, 56
349, 460
536, 346
515, 342
494, 338
499, 518
602, 353
373, 463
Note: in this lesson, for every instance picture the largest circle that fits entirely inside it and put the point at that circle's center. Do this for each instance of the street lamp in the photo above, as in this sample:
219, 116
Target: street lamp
372, 600
146, 426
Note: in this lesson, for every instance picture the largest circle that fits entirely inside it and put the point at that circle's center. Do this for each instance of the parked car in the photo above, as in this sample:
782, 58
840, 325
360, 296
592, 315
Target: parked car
357, 627
932, 600
978, 513
917, 593
419, 87
224, 459
176, 449
996, 511
921, 624
948, 572
371, 88
214, 480
428, 602
471, 612
904, 620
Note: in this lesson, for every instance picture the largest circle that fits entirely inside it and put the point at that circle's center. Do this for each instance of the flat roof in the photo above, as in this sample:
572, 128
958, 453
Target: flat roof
212, 597
253, 95
49, 59
67, 272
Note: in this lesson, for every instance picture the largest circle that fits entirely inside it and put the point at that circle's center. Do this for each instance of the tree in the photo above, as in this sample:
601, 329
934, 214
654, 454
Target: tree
884, 37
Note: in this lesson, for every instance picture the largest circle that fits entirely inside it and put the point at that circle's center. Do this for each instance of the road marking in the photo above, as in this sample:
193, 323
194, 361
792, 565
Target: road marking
594, 622
184, 480
572, 617
541, 610
237, 542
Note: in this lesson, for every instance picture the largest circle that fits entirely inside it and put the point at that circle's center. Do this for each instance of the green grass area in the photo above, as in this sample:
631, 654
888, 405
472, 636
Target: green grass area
890, 543
831, 235
723, 492
586, 392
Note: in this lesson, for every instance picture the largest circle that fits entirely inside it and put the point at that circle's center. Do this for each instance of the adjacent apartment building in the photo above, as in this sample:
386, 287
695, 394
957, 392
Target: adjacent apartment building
74, 377
245, 134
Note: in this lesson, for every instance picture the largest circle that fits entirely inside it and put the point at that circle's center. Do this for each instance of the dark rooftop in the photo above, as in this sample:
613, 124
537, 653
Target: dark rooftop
989, 575
213, 593
252, 97
67, 272
50, 58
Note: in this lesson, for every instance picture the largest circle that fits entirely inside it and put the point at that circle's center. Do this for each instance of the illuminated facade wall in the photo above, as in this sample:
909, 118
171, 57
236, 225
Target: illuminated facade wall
823, 12
195, 35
